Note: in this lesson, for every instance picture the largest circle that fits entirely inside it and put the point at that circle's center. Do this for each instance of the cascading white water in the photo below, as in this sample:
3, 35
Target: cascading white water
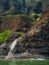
12, 47
13, 44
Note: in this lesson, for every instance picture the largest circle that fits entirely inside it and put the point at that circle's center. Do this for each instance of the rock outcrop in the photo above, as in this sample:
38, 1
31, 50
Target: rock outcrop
36, 41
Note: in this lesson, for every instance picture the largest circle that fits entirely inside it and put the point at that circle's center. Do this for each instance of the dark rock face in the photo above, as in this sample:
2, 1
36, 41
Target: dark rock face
12, 37
4, 49
37, 44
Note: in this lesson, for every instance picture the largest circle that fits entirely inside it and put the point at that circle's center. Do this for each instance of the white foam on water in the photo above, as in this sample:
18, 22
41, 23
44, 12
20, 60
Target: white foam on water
13, 44
12, 48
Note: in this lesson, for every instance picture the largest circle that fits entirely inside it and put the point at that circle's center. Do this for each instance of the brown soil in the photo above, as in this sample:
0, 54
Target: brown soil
15, 23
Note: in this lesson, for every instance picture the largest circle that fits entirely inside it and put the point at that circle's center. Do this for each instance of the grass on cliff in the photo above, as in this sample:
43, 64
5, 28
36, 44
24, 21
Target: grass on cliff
24, 62
4, 36
20, 33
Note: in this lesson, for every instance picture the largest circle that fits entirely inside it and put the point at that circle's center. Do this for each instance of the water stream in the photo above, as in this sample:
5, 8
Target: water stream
12, 48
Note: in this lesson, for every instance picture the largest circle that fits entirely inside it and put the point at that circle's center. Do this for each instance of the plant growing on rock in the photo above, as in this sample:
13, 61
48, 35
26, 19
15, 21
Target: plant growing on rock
4, 36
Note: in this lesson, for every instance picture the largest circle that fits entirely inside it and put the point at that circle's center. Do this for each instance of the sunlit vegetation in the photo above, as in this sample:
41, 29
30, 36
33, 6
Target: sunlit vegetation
4, 36
19, 33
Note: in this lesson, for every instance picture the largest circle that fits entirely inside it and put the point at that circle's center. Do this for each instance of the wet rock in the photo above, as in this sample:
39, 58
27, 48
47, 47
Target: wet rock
12, 37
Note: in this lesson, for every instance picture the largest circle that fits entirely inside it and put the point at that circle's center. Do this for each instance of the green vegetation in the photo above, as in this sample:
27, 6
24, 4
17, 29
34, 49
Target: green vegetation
24, 62
4, 36
35, 16
16, 15
19, 33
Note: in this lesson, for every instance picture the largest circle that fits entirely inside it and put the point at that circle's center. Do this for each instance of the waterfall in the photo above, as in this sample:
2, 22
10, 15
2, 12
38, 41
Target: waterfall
12, 48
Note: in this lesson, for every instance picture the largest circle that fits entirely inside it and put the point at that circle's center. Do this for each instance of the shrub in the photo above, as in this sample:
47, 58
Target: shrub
4, 36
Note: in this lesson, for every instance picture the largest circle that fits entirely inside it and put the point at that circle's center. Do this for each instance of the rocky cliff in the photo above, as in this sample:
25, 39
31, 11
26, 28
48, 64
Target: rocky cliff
36, 41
